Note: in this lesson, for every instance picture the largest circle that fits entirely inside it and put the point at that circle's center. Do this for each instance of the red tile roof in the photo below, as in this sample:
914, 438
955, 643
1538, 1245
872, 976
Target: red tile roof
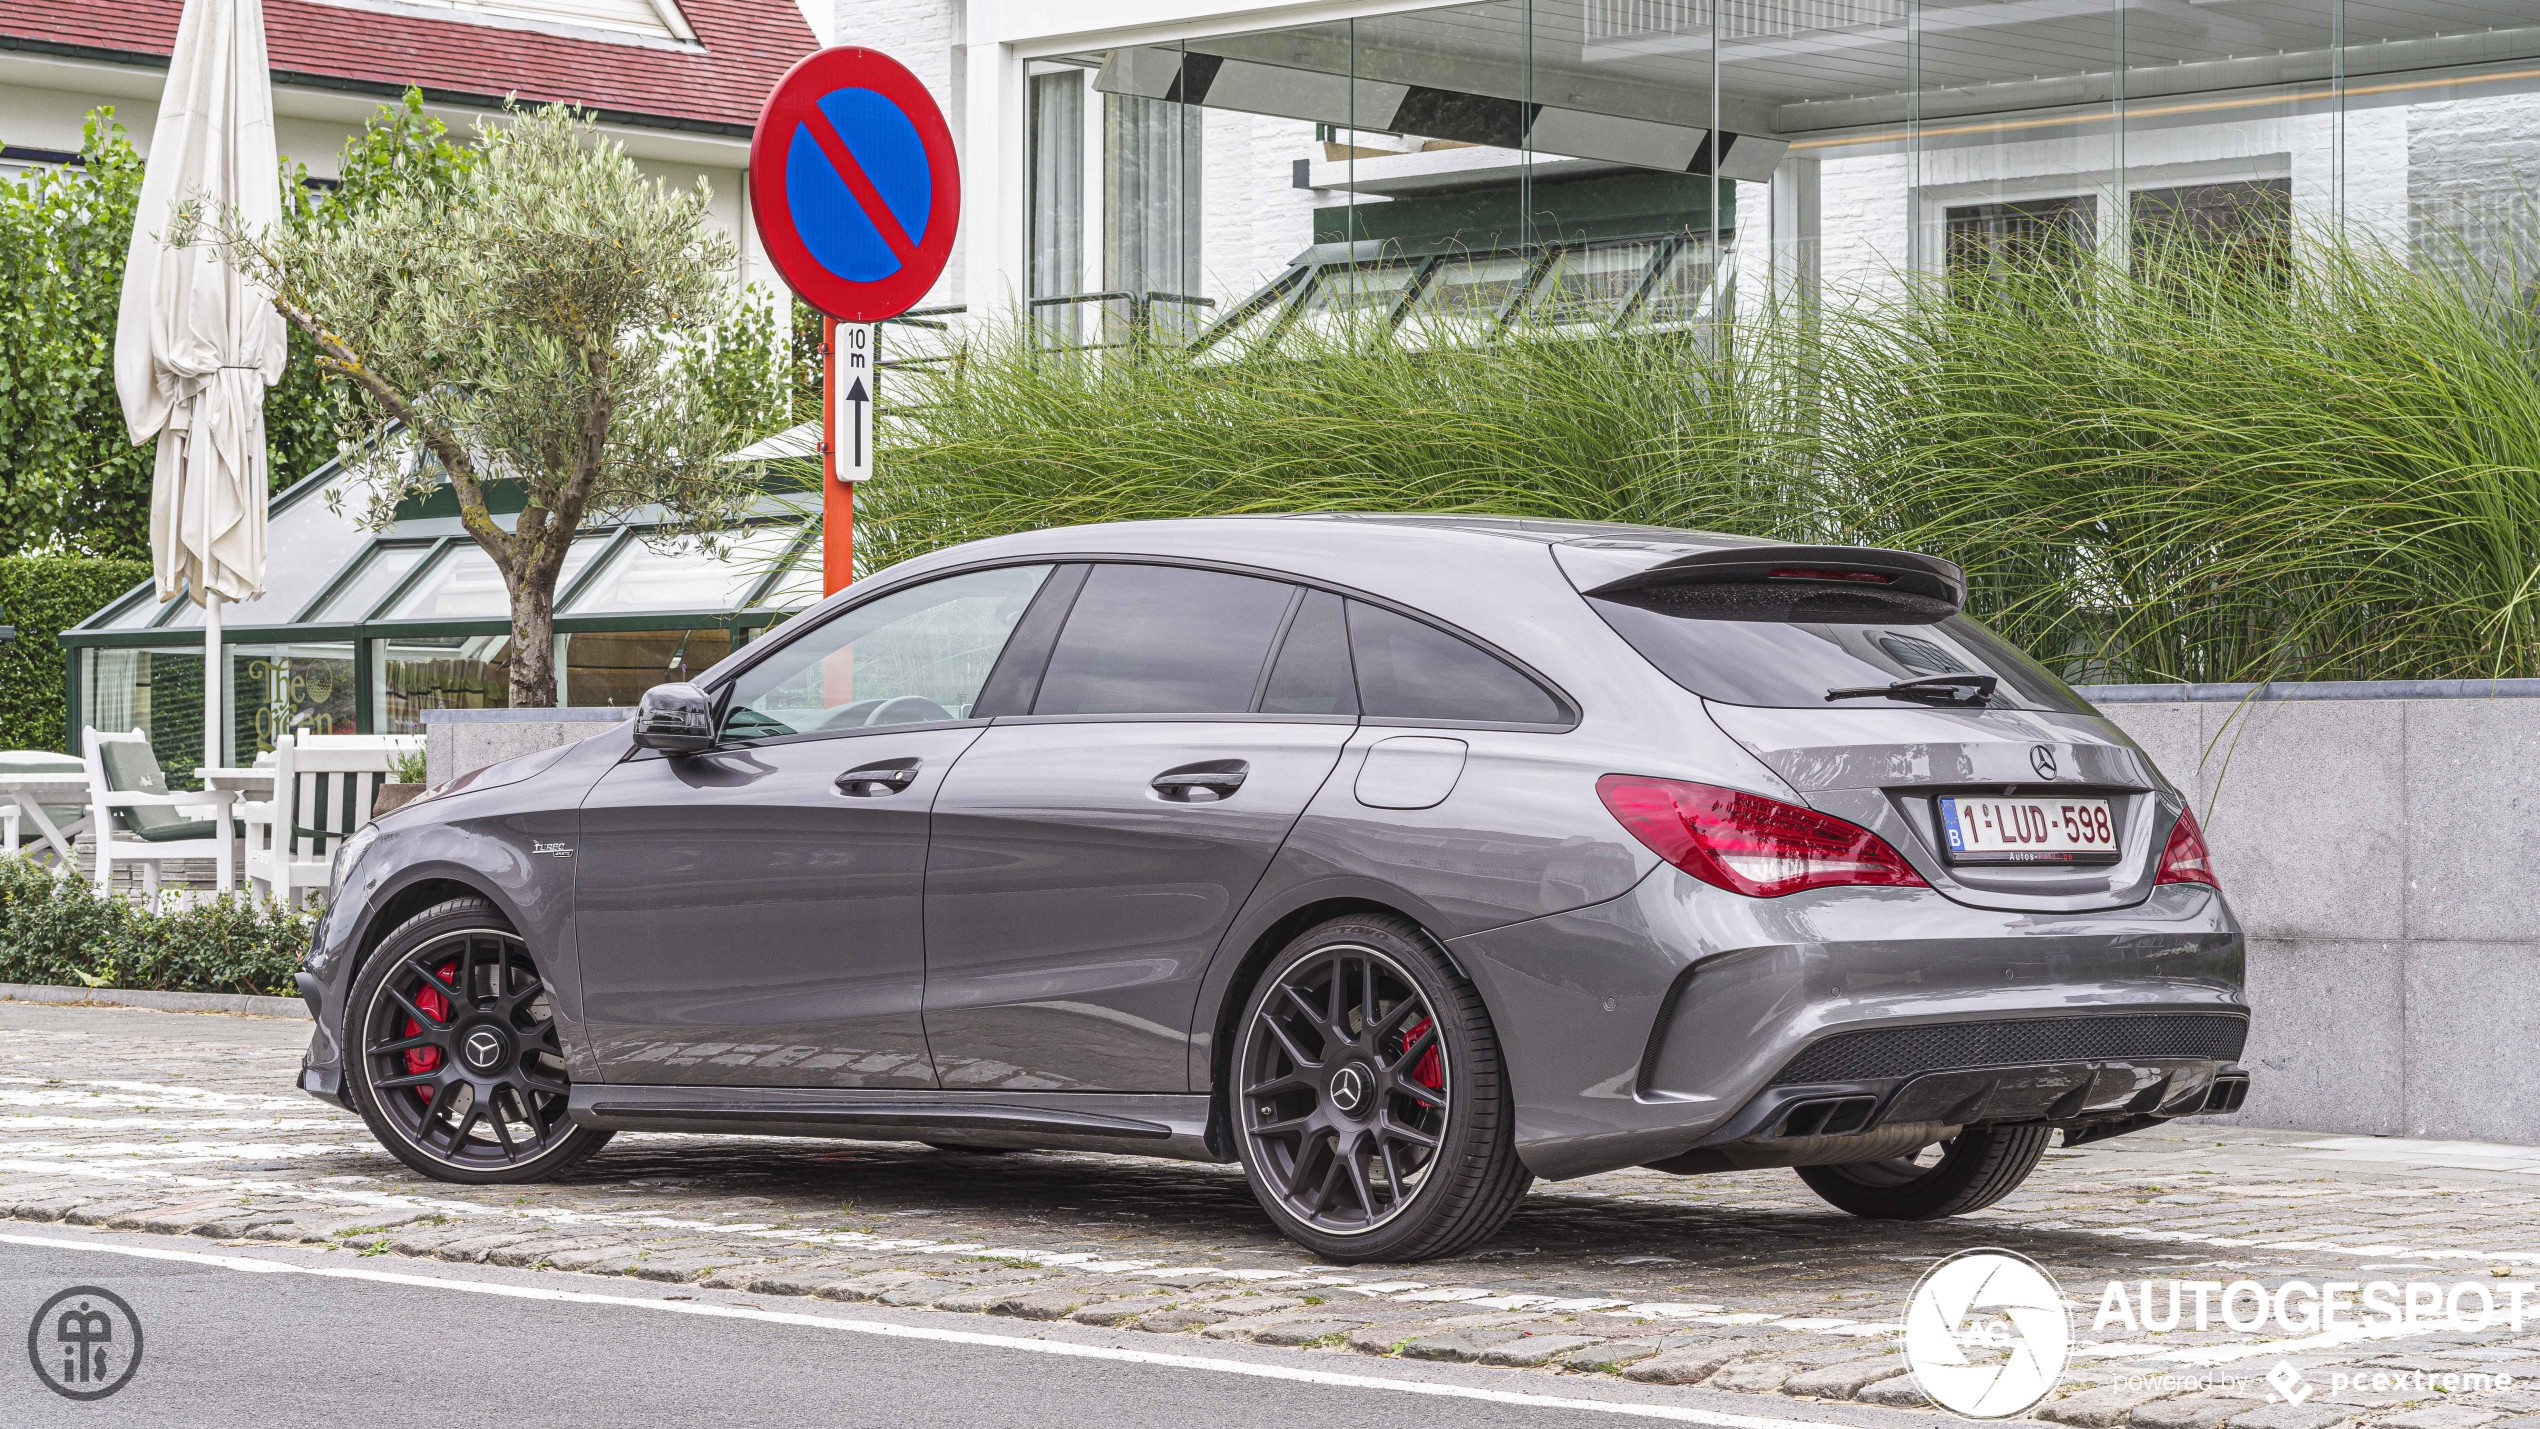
747, 45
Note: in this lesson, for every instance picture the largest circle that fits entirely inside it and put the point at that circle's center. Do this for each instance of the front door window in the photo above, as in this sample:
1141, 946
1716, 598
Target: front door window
915, 656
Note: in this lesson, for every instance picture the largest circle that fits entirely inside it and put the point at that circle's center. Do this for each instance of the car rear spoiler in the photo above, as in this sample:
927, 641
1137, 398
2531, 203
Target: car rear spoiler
1827, 566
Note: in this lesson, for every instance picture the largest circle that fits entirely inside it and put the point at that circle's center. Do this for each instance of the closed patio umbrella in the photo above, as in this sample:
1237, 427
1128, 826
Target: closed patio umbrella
196, 343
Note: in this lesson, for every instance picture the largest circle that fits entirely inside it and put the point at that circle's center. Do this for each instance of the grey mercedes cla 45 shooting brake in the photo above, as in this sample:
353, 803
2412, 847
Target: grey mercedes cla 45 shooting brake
1403, 860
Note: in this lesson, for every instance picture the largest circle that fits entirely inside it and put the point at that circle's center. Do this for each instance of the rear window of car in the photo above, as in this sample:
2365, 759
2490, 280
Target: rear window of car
1787, 646
1411, 671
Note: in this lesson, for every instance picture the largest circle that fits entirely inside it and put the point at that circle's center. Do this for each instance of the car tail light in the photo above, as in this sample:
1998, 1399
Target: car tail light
2186, 859
1747, 843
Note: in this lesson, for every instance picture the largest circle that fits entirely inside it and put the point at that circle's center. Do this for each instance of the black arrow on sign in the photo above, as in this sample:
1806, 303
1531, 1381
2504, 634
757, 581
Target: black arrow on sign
857, 397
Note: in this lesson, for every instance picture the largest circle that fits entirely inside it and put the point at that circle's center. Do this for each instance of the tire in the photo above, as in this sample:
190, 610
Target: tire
1368, 1098
1978, 1167
449, 1019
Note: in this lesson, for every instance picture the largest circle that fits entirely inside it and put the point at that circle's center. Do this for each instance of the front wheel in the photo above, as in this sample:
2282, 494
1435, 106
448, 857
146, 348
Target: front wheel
1974, 1169
1371, 1107
451, 1052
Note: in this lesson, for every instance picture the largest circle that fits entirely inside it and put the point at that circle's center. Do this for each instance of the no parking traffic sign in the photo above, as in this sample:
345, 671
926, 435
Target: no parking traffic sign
857, 196
854, 184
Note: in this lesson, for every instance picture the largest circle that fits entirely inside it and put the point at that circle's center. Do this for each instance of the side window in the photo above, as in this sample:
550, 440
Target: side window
914, 656
1312, 675
1163, 640
1408, 670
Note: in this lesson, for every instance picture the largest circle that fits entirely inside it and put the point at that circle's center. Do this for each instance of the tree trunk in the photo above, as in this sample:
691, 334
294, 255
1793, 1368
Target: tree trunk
534, 644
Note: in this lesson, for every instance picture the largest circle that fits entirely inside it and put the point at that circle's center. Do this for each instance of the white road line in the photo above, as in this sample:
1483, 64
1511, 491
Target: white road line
1675, 1413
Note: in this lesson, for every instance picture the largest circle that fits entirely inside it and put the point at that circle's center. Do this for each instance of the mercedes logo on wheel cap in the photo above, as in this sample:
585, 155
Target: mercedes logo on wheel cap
1349, 1089
2042, 759
482, 1049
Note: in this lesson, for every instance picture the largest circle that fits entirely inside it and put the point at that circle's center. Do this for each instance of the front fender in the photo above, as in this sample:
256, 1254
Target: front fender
512, 845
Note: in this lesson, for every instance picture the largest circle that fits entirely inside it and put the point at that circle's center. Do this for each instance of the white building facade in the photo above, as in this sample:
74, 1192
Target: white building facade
1224, 169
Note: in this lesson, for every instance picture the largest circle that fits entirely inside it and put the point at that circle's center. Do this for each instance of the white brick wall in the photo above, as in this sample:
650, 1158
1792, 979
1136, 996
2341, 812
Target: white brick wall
1253, 219
924, 35
2470, 162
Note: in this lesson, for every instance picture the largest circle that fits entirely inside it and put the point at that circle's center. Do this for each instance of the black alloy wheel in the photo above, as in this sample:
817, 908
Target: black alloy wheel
453, 1057
1371, 1109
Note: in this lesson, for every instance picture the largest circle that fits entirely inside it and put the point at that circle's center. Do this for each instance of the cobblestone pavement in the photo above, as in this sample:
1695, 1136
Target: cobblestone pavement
188, 1124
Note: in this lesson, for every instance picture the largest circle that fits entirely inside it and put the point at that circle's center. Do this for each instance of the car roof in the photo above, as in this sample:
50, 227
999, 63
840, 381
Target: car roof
1548, 530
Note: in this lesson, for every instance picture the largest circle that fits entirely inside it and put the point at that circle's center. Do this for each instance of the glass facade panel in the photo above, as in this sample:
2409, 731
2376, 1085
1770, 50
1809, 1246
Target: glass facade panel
379, 573
1117, 172
463, 584
679, 577
800, 585
1572, 163
276, 690
159, 692
437, 672
615, 668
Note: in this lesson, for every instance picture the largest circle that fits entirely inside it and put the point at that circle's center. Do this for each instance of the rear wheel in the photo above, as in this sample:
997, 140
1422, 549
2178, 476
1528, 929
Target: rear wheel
1372, 1110
1974, 1169
452, 1056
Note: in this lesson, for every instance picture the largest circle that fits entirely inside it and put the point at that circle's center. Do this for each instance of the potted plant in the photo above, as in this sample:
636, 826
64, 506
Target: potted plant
404, 782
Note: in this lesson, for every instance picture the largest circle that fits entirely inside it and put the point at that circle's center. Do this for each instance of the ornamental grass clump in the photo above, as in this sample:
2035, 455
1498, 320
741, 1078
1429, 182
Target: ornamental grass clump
2198, 463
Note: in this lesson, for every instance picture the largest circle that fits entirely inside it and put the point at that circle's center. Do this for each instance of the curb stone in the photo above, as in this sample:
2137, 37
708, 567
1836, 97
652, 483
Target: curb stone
2293, 1416
2186, 1413
1846, 1380
1690, 1365
1900, 1392
1534, 1350
2100, 1408
240, 1003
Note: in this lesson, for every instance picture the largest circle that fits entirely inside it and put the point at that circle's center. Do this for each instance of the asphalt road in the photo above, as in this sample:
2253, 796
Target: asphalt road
234, 1337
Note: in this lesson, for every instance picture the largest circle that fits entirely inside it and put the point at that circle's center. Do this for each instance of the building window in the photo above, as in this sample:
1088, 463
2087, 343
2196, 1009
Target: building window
1150, 205
616, 667
2246, 227
2025, 235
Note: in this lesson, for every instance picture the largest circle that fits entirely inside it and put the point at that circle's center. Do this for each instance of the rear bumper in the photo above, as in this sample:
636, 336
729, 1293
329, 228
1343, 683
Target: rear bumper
1680, 1016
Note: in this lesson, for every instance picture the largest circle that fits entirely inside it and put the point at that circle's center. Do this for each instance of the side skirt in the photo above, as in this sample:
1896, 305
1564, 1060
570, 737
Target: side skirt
1139, 1124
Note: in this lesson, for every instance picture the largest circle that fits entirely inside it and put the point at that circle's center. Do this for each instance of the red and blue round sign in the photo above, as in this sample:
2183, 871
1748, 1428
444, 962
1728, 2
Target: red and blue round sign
854, 184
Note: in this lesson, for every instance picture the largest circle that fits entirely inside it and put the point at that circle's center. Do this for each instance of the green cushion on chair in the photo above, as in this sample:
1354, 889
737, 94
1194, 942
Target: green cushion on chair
132, 769
184, 829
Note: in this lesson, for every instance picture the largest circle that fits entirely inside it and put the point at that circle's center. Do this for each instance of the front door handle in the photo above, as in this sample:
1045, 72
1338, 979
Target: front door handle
884, 776
1201, 783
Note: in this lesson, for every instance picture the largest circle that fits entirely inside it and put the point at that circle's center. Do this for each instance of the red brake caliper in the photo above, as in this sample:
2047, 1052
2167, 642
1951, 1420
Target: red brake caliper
437, 1003
1431, 1071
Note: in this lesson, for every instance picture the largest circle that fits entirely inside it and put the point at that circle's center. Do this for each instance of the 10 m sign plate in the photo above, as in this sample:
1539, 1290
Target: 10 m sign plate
2028, 830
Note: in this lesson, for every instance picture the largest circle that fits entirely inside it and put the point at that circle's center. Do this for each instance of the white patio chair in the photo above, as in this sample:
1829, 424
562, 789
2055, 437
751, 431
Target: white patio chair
323, 787
136, 819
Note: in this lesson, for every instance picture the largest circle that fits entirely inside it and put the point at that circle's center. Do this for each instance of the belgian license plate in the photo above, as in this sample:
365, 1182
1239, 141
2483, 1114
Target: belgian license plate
2028, 830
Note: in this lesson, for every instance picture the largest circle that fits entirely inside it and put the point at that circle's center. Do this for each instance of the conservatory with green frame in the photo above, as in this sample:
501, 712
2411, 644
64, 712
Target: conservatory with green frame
359, 631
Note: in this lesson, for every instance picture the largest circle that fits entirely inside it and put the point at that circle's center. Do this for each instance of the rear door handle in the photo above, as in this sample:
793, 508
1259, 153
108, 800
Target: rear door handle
1201, 783
871, 781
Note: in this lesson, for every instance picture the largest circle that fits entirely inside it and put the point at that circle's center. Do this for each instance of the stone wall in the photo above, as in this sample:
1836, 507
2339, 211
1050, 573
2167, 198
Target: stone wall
456, 741
2381, 843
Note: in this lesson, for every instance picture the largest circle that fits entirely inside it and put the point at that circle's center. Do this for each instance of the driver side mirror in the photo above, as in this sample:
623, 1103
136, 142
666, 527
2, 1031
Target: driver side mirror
677, 718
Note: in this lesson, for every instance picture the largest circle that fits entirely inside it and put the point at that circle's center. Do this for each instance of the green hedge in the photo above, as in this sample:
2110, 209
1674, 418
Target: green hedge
59, 931
43, 596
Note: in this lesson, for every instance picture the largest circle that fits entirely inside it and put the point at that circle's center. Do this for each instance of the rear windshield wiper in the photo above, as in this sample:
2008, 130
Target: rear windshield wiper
1936, 689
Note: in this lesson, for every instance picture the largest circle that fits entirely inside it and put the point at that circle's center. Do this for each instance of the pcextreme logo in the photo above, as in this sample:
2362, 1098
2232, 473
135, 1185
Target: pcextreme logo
1987, 1334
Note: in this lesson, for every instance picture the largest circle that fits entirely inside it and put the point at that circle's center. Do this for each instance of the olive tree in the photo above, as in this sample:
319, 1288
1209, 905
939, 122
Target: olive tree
550, 318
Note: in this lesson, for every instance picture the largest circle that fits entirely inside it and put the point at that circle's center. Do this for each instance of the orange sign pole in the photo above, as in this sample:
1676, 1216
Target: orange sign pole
837, 498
